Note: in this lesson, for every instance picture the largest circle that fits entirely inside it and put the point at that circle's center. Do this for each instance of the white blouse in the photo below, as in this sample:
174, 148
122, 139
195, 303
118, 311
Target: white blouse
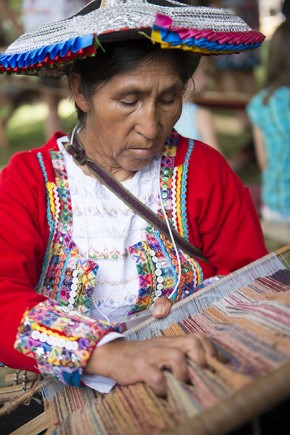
104, 228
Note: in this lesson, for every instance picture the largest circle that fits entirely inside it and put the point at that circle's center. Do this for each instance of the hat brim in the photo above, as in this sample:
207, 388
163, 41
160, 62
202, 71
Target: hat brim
47, 50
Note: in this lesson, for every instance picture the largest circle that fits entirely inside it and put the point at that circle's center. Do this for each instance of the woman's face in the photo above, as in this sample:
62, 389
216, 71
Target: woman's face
129, 117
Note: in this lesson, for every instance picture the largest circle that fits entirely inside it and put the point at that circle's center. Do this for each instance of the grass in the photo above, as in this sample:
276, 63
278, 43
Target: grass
25, 129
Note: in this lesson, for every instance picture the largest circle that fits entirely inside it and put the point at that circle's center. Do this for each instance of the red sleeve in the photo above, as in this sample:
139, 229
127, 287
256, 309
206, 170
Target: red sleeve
223, 220
23, 239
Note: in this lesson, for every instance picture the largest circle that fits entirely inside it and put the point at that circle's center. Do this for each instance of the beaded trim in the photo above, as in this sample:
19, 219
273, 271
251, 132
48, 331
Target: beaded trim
183, 192
176, 185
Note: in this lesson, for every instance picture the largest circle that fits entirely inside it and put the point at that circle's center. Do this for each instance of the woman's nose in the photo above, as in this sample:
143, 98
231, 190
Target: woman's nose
148, 124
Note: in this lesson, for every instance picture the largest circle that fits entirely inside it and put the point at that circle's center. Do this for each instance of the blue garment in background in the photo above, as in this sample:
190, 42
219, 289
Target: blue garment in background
273, 119
186, 125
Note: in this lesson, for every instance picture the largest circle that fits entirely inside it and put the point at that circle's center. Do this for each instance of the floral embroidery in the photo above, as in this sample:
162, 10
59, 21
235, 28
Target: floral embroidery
155, 257
157, 266
114, 255
67, 277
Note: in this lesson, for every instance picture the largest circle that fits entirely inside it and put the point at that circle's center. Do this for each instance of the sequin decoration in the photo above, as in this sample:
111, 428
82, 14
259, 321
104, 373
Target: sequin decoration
60, 340
155, 257
66, 277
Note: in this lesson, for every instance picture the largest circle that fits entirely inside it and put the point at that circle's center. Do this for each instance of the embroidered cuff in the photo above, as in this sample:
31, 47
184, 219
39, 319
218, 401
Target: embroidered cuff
61, 341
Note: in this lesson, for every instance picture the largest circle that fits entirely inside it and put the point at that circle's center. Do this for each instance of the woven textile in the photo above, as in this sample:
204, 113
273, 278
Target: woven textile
249, 325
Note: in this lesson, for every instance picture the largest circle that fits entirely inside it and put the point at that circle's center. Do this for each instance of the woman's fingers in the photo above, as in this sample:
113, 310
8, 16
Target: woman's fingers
196, 346
207, 345
162, 307
176, 363
170, 359
129, 362
154, 377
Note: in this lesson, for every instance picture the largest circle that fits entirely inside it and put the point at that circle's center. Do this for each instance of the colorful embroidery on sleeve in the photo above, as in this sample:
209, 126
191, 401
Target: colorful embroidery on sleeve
61, 341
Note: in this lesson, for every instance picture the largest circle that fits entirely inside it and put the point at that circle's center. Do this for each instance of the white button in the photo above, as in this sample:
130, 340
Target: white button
74, 345
71, 301
158, 265
43, 337
160, 287
152, 253
158, 272
74, 287
75, 280
73, 293
35, 335
158, 293
54, 341
155, 259
75, 273
70, 307
160, 279
68, 345
61, 342
57, 341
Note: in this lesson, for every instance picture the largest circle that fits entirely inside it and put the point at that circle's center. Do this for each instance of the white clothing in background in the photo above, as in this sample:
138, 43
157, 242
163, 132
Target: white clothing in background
35, 13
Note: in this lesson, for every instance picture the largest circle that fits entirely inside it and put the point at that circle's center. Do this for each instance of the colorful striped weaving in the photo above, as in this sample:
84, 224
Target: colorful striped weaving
247, 315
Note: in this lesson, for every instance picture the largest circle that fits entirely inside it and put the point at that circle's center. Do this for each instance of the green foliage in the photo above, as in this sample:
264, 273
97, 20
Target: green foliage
25, 130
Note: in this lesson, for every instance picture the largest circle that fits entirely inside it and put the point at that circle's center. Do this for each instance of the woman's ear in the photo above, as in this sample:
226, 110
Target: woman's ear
78, 96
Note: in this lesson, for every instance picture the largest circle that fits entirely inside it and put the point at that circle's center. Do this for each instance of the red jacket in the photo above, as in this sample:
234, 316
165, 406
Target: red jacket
221, 218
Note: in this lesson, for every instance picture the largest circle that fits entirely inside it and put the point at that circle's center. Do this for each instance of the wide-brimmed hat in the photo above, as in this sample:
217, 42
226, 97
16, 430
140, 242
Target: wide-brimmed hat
46, 50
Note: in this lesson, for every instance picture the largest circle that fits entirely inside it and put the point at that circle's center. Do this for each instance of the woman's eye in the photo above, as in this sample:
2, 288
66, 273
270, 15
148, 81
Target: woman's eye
167, 102
129, 103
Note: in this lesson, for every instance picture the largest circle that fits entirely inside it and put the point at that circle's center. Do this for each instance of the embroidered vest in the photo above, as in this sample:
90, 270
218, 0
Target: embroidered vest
70, 279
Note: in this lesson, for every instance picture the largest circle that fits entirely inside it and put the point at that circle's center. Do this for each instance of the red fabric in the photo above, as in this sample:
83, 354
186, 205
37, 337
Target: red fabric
222, 218
222, 222
23, 239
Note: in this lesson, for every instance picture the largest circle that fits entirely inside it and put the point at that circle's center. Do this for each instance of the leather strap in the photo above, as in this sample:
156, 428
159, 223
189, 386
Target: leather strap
76, 149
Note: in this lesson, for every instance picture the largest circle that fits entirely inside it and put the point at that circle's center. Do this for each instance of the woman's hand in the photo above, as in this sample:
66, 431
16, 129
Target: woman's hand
129, 362
162, 307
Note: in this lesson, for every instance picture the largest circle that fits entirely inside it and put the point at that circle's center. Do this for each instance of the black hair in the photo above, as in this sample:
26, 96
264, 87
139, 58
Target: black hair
117, 58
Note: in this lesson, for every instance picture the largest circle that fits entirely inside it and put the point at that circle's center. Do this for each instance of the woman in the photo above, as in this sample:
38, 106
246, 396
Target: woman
269, 111
74, 257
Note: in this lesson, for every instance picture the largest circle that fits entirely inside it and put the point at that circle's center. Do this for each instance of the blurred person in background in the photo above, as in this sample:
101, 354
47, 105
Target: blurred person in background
269, 111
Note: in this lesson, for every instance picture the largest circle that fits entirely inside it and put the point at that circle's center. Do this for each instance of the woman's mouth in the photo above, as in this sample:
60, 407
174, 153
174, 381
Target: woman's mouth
142, 152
